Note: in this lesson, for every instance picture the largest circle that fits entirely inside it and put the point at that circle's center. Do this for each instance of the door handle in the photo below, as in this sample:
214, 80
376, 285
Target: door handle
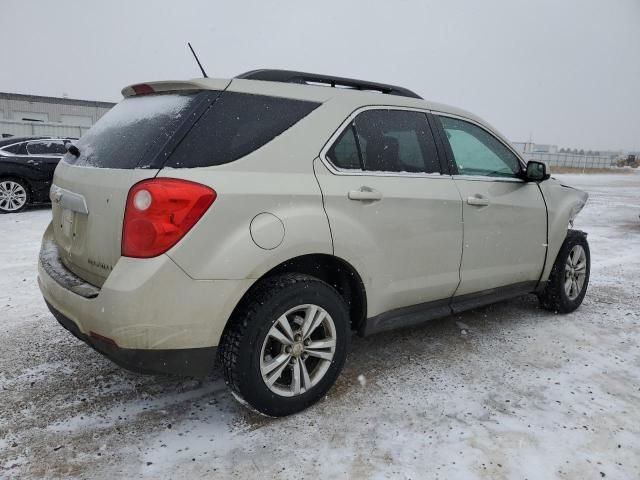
365, 194
478, 200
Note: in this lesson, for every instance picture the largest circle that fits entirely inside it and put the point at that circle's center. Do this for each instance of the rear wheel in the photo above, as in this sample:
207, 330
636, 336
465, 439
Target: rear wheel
14, 195
569, 277
286, 345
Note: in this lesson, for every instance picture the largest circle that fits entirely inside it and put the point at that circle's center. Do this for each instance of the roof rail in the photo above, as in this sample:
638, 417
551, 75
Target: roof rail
290, 76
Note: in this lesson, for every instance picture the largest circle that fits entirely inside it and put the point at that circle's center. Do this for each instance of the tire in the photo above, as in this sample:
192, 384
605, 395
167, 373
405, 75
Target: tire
249, 350
556, 295
14, 195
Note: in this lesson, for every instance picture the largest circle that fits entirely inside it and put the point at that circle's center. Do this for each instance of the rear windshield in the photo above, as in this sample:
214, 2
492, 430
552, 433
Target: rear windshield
236, 125
134, 132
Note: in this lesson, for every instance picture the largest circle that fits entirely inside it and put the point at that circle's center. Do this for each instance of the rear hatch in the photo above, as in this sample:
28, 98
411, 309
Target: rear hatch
129, 144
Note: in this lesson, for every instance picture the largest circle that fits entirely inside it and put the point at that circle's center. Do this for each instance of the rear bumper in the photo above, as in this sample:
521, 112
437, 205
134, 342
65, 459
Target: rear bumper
153, 316
186, 361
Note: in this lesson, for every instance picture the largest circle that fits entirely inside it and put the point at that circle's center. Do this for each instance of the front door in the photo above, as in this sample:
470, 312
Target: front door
505, 229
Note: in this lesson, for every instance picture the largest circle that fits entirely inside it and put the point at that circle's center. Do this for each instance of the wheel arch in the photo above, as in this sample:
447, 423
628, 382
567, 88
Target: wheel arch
333, 270
563, 205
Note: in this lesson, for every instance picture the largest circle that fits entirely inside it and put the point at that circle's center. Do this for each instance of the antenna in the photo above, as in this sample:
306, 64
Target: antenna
204, 74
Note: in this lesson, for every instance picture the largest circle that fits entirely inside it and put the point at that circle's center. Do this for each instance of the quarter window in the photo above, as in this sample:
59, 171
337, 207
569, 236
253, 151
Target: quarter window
344, 153
477, 152
15, 148
236, 125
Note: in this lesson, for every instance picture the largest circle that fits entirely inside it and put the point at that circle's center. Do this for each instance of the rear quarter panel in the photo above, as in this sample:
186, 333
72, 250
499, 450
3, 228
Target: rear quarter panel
277, 179
220, 246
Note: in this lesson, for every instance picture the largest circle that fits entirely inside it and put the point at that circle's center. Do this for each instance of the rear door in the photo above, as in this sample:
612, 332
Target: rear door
505, 229
392, 213
45, 154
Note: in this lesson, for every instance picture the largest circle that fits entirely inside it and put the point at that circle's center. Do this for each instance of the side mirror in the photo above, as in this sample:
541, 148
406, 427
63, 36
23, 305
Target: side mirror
537, 171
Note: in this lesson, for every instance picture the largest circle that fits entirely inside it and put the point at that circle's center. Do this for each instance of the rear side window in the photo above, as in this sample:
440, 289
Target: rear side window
134, 132
46, 147
387, 141
236, 125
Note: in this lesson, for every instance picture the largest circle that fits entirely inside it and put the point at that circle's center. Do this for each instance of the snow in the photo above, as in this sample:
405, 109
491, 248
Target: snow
523, 393
127, 126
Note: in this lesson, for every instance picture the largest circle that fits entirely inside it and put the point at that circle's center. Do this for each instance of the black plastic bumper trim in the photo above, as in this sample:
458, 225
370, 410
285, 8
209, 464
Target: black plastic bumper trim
194, 362
51, 263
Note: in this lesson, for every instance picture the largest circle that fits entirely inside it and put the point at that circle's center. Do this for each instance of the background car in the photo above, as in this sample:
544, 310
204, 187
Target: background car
26, 170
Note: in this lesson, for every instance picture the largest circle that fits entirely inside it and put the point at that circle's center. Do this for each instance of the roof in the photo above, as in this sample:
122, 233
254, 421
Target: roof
56, 100
287, 84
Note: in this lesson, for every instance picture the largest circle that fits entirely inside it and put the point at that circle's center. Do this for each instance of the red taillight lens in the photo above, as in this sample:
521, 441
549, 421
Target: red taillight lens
160, 212
143, 89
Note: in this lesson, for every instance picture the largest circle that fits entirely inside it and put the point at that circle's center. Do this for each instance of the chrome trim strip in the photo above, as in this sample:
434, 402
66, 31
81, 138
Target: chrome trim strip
361, 173
484, 178
340, 171
345, 124
3, 150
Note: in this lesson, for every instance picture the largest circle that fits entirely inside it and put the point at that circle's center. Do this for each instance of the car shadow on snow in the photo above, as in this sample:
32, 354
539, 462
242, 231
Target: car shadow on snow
79, 400
104, 383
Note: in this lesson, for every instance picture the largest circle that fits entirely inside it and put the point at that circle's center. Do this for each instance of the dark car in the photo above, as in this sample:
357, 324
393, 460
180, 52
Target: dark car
26, 170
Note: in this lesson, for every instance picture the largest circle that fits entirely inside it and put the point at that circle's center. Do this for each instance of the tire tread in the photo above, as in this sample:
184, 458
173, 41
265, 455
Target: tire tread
236, 330
551, 297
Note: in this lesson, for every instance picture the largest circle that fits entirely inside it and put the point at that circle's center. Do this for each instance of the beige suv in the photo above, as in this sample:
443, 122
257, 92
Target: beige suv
263, 219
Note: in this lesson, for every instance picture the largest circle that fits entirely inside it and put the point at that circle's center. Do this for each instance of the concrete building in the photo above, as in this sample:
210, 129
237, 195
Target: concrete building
37, 115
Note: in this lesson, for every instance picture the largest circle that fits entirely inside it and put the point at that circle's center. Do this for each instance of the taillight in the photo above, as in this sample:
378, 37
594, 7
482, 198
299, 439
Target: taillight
142, 89
160, 212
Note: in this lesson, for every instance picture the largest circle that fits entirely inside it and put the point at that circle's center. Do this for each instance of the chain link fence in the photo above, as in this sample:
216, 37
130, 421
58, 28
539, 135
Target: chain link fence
570, 160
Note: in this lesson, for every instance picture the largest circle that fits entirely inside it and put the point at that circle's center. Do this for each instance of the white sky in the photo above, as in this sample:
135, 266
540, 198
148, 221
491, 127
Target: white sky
565, 71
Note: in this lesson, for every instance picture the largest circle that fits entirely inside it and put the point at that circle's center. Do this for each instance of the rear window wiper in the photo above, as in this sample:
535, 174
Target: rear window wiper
72, 149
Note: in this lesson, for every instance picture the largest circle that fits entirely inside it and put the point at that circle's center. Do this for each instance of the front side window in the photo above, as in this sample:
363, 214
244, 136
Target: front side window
386, 141
477, 152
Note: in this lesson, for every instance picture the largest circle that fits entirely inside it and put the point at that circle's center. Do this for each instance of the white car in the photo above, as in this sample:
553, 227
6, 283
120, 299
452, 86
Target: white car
263, 219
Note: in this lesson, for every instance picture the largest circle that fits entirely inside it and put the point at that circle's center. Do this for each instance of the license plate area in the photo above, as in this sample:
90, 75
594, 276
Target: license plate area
67, 222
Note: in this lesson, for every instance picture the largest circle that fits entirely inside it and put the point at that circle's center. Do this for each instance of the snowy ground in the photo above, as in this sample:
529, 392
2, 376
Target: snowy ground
522, 394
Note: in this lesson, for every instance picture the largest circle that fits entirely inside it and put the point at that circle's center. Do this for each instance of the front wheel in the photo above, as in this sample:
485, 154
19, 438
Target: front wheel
286, 345
569, 277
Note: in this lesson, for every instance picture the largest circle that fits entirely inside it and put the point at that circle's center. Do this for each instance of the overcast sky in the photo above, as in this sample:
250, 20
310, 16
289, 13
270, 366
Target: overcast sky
565, 72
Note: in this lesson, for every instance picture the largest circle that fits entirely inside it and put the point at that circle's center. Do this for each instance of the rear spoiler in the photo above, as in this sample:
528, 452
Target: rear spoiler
175, 86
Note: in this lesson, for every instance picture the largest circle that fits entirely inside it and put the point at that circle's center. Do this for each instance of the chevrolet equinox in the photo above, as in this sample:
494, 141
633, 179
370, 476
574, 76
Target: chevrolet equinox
261, 220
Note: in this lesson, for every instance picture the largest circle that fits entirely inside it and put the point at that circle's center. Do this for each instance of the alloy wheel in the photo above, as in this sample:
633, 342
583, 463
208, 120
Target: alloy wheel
13, 196
575, 272
298, 350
